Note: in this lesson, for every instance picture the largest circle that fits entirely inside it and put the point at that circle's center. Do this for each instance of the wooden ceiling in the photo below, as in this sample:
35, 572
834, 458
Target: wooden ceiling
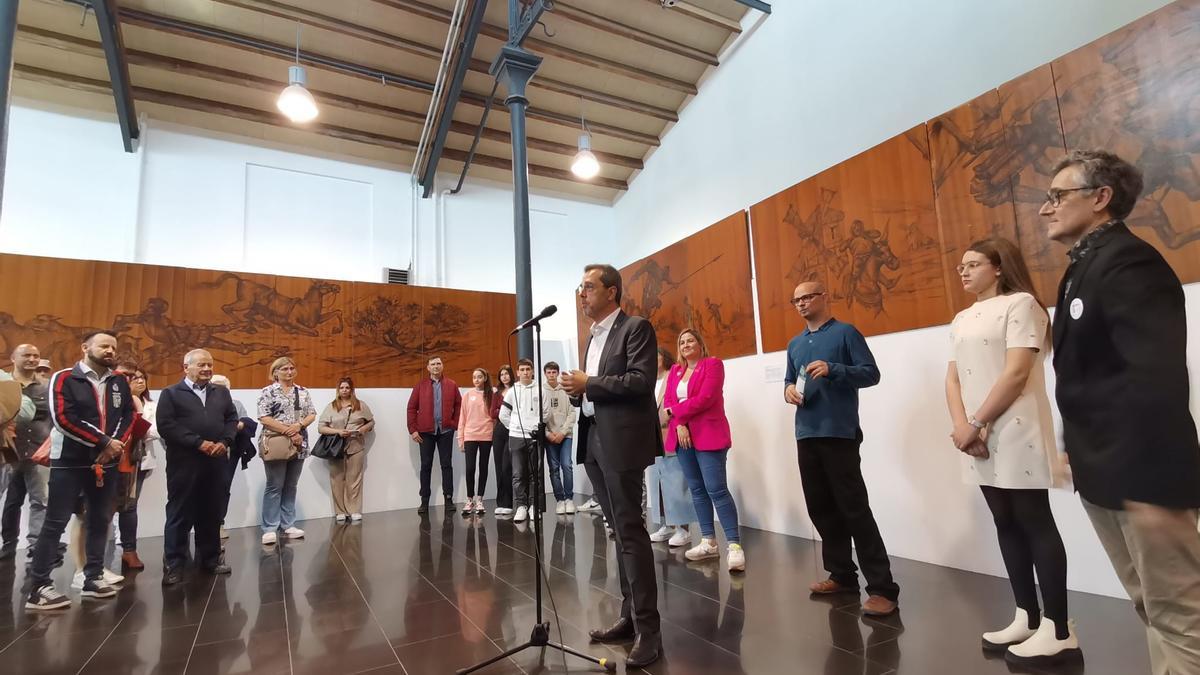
628, 65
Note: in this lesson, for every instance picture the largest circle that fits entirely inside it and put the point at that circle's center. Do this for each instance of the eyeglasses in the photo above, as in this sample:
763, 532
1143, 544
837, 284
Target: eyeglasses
588, 288
970, 266
806, 298
1054, 195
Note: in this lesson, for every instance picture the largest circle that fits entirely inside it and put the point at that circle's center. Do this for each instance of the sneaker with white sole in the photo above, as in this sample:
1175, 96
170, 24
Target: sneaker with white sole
340, 518
112, 578
570, 510
707, 548
46, 598
682, 537
735, 558
77, 581
479, 506
503, 511
521, 514
269, 538
1017, 632
355, 517
590, 505
561, 508
1044, 648
662, 534
97, 588
294, 533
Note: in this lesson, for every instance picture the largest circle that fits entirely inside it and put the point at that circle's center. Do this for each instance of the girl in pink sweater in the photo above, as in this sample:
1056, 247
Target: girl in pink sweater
475, 436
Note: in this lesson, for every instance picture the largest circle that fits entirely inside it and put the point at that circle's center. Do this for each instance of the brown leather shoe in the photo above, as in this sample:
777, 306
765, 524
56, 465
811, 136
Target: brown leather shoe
131, 561
829, 586
877, 605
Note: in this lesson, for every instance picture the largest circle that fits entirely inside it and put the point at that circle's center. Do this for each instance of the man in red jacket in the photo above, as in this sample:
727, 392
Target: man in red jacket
432, 418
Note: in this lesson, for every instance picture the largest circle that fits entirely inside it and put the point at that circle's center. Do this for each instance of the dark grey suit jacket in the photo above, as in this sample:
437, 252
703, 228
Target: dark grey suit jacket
623, 395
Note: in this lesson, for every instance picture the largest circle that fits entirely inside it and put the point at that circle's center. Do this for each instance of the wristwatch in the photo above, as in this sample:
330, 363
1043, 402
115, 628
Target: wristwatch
976, 423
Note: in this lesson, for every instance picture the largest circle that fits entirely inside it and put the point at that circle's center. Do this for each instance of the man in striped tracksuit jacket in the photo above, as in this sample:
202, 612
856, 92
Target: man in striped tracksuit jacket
92, 410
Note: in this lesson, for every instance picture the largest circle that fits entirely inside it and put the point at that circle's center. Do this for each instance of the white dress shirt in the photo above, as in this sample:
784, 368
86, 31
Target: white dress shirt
600, 331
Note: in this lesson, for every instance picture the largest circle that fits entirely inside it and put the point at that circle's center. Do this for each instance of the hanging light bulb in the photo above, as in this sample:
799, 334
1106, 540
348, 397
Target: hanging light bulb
585, 165
295, 101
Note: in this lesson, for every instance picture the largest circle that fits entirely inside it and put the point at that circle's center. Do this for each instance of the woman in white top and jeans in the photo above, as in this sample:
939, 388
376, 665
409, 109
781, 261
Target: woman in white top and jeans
996, 394
667, 488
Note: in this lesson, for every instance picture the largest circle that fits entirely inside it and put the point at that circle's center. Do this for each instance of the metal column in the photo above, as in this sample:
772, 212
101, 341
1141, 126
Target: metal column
8, 34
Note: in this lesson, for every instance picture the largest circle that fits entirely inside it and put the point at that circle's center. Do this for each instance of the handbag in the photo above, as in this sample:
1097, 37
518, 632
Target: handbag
329, 446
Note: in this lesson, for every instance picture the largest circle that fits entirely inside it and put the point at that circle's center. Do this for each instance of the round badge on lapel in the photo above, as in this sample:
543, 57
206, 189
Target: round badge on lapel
1076, 308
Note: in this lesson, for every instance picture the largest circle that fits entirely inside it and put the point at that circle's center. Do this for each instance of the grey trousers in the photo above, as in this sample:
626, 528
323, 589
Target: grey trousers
1156, 554
27, 480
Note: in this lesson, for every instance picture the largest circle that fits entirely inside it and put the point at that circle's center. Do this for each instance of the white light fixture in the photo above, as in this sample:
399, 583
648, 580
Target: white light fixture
585, 165
295, 101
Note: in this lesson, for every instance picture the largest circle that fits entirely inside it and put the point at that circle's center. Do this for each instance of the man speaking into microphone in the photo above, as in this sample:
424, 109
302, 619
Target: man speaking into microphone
619, 437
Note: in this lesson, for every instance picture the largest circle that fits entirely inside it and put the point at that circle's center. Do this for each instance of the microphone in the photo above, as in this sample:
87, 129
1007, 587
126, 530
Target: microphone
547, 312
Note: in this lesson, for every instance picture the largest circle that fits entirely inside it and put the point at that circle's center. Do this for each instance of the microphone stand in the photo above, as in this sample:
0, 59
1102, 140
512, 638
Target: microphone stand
540, 635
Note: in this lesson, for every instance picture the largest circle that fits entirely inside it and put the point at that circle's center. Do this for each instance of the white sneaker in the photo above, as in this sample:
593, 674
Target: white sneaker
112, 578
1043, 648
736, 558
294, 533
47, 598
77, 581
356, 517
1017, 632
590, 505
269, 538
339, 518
479, 505
503, 511
662, 534
682, 537
522, 513
561, 508
707, 548
570, 507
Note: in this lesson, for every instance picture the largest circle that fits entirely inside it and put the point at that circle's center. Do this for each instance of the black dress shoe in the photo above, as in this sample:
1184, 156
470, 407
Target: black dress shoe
646, 650
450, 507
620, 631
219, 568
172, 576
422, 509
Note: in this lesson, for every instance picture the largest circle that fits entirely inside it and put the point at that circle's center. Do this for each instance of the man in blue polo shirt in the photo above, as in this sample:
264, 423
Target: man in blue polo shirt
827, 364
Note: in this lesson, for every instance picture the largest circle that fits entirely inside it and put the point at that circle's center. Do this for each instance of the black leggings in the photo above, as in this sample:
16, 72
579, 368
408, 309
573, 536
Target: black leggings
1029, 540
480, 449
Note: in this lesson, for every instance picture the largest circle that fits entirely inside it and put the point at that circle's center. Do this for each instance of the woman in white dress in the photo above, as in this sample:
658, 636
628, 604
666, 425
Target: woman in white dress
996, 394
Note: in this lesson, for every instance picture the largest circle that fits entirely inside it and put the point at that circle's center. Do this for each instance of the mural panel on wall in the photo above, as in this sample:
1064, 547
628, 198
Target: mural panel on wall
700, 282
379, 334
1136, 91
868, 230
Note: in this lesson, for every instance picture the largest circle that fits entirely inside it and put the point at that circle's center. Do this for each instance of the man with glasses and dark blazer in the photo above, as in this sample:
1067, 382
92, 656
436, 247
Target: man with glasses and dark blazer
619, 437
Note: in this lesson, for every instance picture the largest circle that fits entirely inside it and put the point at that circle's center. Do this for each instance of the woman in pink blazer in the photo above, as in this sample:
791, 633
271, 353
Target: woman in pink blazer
698, 433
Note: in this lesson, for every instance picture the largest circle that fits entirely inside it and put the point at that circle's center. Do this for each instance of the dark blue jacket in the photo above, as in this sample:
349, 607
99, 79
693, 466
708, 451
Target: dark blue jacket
86, 419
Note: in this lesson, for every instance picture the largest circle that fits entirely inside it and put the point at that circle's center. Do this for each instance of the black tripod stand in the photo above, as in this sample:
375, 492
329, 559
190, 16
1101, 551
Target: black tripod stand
540, 636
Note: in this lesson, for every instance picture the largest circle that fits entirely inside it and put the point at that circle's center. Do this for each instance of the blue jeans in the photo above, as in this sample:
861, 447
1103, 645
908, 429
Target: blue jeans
705, 473
665, 483
279, 497
558, 456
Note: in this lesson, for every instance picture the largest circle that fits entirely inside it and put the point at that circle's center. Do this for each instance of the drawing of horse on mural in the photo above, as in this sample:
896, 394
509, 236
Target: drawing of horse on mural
57, 341
258, 303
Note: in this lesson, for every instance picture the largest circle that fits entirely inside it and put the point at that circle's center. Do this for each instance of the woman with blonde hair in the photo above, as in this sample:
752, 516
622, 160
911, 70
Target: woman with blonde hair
996, 395
351, 419
285, 410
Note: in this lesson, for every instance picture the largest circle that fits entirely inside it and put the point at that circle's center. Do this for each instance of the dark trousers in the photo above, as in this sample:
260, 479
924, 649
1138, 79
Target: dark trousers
503, 462
195, 497
231, 468
524, 463
619, 494
831, 473
66, 485
477, 450
127, 515
1029, 540
443, 443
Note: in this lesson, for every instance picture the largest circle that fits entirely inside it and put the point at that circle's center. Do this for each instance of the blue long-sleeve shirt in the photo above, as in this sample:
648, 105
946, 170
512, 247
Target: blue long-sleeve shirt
830, 407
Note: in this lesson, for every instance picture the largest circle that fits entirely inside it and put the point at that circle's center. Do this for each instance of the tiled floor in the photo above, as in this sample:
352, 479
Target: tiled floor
400, 593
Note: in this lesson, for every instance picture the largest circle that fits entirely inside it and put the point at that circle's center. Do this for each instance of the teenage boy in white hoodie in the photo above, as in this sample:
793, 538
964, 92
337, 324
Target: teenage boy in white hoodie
560, 422
520, 414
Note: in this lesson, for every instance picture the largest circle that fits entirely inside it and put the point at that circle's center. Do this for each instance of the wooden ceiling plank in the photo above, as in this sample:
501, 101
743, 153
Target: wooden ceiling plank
701, 14
611, 26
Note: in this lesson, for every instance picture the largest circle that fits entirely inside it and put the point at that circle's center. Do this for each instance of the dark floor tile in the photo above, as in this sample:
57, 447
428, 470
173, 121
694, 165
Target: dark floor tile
162, 652
261, 654
351, 651
236, 621
452, 652
52, 651
415, 623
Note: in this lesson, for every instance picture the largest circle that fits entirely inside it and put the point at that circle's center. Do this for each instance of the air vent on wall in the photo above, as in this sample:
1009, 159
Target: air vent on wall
395, 276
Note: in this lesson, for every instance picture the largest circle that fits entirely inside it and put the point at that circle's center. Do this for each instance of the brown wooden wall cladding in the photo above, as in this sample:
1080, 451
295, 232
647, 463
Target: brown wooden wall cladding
379, 334
885, 229
701, 282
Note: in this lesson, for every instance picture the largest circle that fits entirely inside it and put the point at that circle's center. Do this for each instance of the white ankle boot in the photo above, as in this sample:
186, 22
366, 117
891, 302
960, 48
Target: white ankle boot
1044, 648
1017, 632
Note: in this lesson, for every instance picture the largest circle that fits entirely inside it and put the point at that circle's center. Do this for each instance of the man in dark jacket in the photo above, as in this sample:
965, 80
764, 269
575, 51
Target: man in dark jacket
1120, 354
197, 422
28, 478
92, 411
619, 436
432, 418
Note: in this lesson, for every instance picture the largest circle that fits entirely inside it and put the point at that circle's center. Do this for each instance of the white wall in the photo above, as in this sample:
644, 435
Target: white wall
816, 83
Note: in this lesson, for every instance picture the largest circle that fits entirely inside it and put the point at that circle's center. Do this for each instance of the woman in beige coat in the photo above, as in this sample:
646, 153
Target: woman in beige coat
351, 419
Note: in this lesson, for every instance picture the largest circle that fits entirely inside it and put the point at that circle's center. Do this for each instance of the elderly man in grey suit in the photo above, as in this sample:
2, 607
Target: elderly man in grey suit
619, 437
